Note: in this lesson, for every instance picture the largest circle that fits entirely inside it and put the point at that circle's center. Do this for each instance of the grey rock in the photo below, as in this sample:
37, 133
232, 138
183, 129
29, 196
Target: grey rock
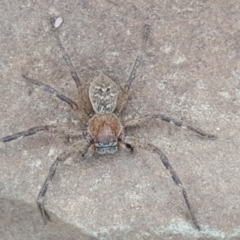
190, 72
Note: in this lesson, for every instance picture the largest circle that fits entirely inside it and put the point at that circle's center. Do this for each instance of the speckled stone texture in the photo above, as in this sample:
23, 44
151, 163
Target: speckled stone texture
190, 72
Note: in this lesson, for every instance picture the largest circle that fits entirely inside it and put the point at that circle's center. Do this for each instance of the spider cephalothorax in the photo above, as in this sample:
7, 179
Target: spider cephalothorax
99, 107
105, 130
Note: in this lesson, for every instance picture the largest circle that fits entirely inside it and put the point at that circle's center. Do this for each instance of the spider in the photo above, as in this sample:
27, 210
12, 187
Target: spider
100, 106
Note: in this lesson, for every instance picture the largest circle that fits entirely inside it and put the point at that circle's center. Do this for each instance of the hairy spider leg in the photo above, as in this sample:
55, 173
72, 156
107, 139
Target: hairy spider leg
150, 147
66, 132
138, 120
66, 57
124, 95
77, 108
79, 146
51, 90
81, 88
146, 31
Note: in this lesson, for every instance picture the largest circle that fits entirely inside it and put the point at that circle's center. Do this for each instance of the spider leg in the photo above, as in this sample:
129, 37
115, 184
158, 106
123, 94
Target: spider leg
68, 132
148, 146
79, 146
136, 121
124, 96
90, 151
146, 31
66, 56
122, 146
81, 88
51, 90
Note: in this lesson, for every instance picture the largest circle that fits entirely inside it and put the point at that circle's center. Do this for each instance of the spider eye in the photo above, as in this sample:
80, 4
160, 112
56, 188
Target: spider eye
108, 89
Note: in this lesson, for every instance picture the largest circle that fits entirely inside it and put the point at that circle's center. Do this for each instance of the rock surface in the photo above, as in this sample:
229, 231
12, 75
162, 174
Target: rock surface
190, 72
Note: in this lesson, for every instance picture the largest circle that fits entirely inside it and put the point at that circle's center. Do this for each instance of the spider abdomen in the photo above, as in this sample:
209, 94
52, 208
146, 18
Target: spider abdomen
103, 94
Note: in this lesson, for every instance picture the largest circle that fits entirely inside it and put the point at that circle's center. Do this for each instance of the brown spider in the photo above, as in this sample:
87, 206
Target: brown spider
100, 107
